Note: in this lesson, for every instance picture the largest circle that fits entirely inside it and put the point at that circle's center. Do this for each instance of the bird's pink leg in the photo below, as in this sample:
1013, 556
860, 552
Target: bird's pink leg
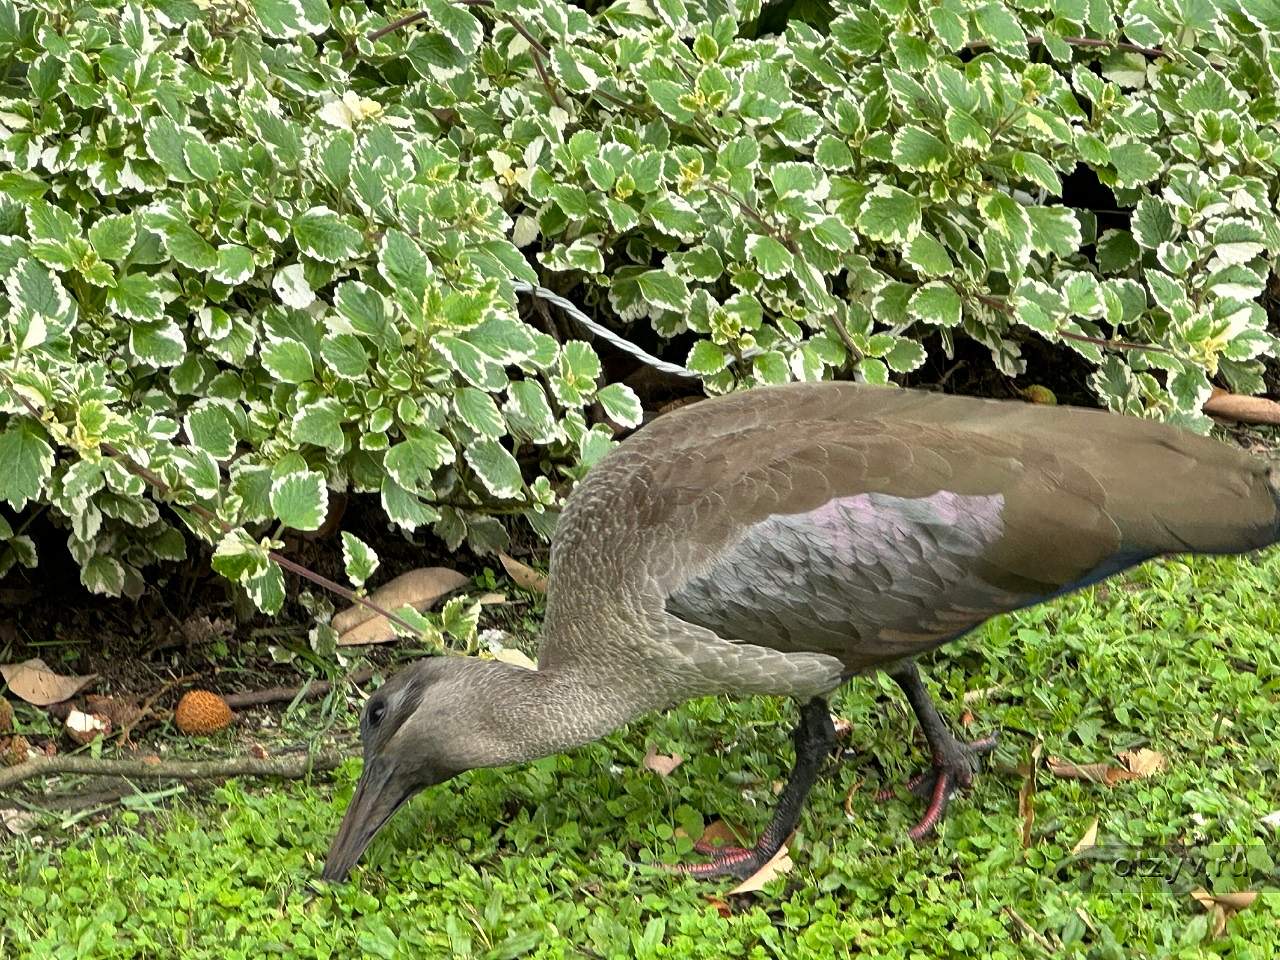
954, 762
814, 738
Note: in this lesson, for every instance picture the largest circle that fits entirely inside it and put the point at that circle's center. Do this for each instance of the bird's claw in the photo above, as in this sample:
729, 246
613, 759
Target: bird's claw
952, 770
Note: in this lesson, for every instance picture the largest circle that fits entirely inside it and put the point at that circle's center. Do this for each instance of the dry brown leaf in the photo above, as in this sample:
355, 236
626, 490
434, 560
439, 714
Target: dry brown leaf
524, 576
661, 764
1143, 763
6, 716
417, 588
1222, 907
492, 599
34, 682
777, 865
1027, 794
18, 822
516, 657
1090, 838
717, 833
1233, 902
1233, 406
842, 727
1106, 773
721, 907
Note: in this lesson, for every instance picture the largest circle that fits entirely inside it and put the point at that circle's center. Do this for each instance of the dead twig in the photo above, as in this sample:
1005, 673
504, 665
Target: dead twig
1031, 932
307, 691
286, 767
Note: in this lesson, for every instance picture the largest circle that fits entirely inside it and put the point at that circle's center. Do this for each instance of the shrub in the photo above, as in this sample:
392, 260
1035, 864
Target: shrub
263, 253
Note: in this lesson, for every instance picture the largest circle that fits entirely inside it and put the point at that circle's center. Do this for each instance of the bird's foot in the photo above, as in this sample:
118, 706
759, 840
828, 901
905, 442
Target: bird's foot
953, 768
726, 861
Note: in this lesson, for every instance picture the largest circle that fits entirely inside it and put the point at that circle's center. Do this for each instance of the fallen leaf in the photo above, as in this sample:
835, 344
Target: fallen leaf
151, 760
1221, 907
6, 716
842, 727
34, 682
721, 907
719, 834
1143, 763
417, 588
1027, 794
492, 599
1106, 773
1090, 838
517, 657
258, 751
776, 866
524, 576
966, 718
1235, 901
661, 764
18, 822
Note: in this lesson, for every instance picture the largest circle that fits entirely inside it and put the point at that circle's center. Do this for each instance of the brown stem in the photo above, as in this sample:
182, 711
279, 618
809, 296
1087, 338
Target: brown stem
1003, 306
288, 767
308, 691
1094, 42
395, 25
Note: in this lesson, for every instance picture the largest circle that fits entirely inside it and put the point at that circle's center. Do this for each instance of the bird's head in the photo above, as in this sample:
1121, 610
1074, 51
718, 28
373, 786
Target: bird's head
419, 729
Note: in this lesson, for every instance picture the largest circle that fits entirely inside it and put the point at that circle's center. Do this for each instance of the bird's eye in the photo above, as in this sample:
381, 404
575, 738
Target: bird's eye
376, 710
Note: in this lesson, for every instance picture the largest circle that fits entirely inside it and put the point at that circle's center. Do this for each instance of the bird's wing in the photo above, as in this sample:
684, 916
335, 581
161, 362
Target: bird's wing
869, 548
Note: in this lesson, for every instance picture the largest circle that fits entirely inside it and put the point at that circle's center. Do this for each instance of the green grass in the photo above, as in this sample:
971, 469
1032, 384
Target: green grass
535, 861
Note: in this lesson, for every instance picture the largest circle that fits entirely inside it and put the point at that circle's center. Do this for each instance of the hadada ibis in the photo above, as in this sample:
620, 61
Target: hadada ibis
780, 541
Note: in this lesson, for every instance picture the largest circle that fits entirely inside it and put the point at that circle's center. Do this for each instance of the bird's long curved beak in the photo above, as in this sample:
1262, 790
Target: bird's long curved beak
377, 797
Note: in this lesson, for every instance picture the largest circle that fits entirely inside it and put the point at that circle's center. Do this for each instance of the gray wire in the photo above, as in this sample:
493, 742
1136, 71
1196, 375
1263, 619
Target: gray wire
604, 333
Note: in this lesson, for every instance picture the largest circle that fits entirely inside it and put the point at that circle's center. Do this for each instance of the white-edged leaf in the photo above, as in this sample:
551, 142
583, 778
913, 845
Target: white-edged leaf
358, 558
496, 468
300, 500
621, 405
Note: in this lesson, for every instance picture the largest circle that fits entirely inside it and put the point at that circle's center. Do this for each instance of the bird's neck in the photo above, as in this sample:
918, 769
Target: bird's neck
547, 711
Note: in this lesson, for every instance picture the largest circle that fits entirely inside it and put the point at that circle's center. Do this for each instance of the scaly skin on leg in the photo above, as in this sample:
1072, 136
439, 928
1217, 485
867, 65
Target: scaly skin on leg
954, 762
814, 738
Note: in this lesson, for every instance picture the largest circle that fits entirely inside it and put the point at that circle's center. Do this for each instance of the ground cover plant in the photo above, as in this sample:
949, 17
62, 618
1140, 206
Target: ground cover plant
268, 251
534, 861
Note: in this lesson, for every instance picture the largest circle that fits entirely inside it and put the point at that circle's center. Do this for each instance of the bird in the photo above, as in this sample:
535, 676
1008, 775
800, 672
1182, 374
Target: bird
780, 541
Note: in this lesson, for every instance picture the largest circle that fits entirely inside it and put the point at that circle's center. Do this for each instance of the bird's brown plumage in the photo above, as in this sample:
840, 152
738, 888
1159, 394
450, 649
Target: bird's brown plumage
688, 515
776, 541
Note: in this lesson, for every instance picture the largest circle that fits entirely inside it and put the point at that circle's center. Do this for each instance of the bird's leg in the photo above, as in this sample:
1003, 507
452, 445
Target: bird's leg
814, 737
954, 762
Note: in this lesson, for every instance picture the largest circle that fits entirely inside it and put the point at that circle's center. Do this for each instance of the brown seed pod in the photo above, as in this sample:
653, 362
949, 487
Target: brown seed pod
200, 712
